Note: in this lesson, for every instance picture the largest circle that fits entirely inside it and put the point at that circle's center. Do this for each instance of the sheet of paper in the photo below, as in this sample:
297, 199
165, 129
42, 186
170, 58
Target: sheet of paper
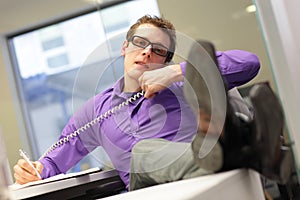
55, 178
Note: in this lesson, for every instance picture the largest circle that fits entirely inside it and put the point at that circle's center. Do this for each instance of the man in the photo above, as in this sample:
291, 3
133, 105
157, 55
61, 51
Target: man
243, 140
162, 113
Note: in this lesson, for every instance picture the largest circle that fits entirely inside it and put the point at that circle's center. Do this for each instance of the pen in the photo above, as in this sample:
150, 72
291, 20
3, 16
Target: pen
23, 154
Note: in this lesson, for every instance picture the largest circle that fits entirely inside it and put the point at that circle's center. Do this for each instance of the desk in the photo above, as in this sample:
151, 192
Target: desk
237, 184
82, 187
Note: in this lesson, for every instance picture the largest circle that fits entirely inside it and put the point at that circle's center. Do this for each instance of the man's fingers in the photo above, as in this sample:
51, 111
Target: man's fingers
144, 87
149, 95
24, 172
151, 90
25, 166
22, 165
23, 176
19, 179
38, 166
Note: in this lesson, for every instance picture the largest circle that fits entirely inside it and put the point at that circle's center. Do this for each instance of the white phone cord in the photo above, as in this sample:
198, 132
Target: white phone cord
93, 122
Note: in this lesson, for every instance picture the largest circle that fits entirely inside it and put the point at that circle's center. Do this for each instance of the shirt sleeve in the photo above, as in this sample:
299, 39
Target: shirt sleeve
236, 66
62, 158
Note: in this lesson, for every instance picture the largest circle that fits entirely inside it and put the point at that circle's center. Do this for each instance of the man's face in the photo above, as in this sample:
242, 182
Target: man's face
137, 60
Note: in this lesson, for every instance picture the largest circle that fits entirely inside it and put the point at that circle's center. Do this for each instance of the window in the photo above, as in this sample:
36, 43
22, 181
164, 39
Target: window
50, 64
51, 37
53, 43
57, 60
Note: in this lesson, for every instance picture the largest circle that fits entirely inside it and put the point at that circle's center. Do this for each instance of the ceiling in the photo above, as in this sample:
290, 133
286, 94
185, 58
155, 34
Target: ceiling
16, 14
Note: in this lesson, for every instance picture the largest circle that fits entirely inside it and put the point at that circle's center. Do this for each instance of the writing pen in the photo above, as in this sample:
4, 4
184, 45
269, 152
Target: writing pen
23, 154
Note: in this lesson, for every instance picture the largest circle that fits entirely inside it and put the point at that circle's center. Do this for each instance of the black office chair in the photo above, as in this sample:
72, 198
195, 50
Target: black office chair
290, 190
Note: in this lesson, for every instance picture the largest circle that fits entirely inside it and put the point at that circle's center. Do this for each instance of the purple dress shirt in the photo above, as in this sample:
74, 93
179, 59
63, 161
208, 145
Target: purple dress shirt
167, 116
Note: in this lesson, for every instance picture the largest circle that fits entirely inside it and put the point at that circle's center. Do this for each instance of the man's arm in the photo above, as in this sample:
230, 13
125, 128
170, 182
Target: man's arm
156, 80
69, 153
237, 67
61, 159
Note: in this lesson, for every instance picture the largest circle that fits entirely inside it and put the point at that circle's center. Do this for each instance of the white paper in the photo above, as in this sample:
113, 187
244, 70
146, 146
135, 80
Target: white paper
54, 178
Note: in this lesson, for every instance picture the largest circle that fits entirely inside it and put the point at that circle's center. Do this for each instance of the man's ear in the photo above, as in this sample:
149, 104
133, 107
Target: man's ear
124, 46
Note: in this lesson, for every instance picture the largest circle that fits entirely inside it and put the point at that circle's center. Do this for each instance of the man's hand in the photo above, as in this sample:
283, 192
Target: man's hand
24, 172
156, 80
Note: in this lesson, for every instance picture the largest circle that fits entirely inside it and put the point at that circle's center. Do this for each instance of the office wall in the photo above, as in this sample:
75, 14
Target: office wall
224, 22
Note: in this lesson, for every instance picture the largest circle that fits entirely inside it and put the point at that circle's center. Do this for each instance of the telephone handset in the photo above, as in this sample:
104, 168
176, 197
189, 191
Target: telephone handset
93, 122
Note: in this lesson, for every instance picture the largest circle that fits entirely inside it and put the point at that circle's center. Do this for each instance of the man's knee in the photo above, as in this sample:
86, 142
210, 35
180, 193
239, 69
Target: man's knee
148, 145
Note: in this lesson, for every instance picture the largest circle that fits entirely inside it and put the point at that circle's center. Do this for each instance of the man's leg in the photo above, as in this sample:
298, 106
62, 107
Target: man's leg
156, 161
242, 115
255, 143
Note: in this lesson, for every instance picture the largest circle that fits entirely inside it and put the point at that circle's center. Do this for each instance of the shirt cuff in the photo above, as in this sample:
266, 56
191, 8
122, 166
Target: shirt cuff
183, 67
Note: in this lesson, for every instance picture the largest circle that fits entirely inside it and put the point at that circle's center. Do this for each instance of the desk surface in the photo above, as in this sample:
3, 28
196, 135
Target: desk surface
234, 185
69, 188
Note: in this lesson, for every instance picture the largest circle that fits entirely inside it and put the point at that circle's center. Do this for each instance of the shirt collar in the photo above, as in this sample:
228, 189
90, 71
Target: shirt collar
118, 87
118, 90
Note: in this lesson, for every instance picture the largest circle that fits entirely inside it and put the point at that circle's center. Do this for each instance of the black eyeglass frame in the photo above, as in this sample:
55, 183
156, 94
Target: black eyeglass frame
168, 55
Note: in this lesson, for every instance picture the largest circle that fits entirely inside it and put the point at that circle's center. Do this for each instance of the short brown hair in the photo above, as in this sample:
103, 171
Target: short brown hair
165, 25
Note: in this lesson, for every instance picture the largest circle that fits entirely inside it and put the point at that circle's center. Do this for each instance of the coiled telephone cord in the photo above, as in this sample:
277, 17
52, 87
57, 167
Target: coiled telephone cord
83, 128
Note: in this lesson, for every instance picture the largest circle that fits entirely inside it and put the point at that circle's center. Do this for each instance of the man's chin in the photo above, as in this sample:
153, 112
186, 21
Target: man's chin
135, 74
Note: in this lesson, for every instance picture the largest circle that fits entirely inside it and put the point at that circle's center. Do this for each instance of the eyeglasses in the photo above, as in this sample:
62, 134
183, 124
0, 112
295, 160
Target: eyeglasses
155, 48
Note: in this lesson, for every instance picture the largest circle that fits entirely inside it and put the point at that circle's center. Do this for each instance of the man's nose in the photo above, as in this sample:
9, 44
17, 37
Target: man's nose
147, 51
